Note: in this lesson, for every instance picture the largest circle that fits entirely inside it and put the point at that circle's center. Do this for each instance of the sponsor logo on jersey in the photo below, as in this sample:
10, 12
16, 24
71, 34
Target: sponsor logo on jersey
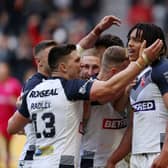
44, 93
109, 123
144, 106
44, 151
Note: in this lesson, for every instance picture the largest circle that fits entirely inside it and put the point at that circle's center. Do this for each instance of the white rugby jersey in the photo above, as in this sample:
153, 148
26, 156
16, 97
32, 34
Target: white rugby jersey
57, 119
30, 142
104, 131
150, 115
26, 157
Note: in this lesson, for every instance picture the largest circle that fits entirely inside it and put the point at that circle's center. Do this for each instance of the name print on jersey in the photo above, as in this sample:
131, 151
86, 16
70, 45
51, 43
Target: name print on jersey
40, 105
43, 93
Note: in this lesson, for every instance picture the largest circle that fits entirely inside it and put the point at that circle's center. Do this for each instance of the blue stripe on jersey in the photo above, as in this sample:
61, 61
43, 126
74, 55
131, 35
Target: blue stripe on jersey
77, 89
141, 83
33, 81
160, 75
23, 108
29, 85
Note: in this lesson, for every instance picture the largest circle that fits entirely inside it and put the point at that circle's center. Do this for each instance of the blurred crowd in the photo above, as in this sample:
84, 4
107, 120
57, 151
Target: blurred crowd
24, 23
151, 11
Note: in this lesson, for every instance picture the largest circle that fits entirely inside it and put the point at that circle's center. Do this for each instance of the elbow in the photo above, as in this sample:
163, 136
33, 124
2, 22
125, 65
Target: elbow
10, 129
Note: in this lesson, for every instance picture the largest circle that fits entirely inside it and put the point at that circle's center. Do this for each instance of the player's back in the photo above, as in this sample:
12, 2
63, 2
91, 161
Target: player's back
26, 157
56, 121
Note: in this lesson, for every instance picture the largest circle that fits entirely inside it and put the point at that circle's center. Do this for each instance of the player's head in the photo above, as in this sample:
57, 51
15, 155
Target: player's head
90, 63
107, 40
64, 60
114, 60
41, 51
144, 31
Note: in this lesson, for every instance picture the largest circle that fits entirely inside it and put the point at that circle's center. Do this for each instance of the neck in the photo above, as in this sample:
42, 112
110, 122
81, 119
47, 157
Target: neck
43, 72
102, 76
59, 74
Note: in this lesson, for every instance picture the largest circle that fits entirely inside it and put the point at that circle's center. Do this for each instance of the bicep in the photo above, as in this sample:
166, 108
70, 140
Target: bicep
101, 92
17, 123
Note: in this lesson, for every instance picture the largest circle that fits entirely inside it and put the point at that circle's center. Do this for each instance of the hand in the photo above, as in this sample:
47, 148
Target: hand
110, 164
152, 52
106, 23
130, 86
160, 162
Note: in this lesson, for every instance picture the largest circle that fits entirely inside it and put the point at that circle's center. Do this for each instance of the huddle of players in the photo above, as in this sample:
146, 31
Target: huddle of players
57, 125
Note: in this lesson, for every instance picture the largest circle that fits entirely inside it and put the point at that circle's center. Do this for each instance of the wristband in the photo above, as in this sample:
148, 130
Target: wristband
145, 58
79, 49
96, 31
138, 65
94, 34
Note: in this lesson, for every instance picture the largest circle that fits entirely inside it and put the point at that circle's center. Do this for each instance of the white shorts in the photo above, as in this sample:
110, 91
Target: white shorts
120, 164
142, 160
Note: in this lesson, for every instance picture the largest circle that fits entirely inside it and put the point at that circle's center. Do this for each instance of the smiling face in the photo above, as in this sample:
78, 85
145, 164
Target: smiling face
134, 44
90, 65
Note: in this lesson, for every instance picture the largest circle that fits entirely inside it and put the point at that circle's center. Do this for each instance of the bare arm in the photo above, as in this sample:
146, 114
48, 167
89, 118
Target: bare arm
89, 40
86, 114
123, 101
103, 91
16, 123
124, 148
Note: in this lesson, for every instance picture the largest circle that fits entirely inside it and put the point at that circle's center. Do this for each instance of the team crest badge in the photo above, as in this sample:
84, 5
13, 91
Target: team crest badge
142, 83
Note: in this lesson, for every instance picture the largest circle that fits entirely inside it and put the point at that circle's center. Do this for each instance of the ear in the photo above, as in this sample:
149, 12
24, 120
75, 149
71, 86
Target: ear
37, 61
113, 71
63, 67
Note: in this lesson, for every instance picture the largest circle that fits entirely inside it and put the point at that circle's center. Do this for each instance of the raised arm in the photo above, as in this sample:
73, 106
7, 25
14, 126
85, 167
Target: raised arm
89, 40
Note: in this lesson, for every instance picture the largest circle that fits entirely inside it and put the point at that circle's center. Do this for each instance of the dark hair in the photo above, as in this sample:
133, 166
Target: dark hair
43, 45
108, 40
150, 33
58, 53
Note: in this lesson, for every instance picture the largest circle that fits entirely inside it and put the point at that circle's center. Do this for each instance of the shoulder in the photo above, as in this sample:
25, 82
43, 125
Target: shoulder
33, 81
159, 75
161, 65
77, 89
160, 69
